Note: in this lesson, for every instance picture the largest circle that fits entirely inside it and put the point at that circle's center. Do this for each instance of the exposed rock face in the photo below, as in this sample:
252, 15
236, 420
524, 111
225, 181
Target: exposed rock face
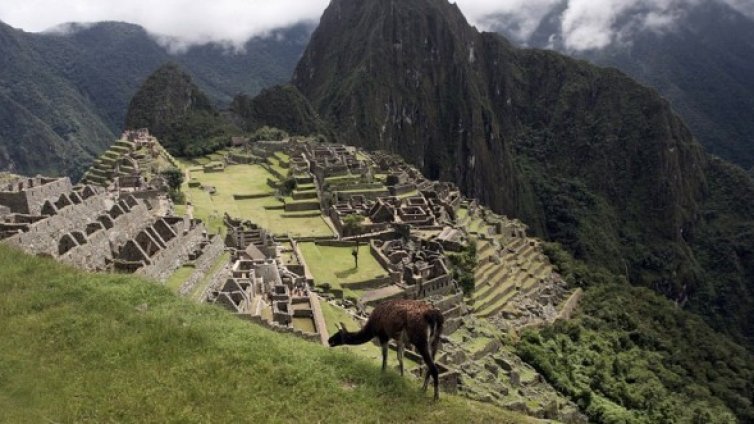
413, 77
406, 77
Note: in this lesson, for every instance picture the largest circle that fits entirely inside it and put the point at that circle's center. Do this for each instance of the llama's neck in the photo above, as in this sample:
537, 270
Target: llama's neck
359, 337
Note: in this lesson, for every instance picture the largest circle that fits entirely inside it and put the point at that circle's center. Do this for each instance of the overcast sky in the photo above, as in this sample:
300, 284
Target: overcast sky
585, 23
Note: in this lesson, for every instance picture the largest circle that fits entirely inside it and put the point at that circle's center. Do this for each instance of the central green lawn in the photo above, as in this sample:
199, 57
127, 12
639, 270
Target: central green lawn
273, 220
237, 179
335, 265
247, 179
78, 347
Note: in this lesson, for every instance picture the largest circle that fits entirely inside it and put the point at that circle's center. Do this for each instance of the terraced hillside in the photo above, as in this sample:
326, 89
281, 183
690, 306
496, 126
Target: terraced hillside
126, 158
508, 262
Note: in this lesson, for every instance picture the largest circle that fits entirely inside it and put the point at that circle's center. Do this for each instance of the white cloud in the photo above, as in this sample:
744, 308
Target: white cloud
521, 17
585, 24
176, 22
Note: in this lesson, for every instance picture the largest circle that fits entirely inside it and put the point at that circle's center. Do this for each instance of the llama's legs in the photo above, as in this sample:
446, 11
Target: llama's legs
401, 346
431, 369
384, 354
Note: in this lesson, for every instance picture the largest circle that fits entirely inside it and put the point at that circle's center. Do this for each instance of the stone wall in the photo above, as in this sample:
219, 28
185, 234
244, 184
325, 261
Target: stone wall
43, 236
203, 264
570, 305
174, 255
27, 195
97, 252
319, 318
368, 194
280, 329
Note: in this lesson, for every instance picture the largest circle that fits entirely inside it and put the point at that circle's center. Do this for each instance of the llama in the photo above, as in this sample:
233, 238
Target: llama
405, 321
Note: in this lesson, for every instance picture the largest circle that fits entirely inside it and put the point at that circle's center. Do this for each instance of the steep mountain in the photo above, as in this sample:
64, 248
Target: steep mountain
177, 112
46, 125
64, 94
585, 155
282, 107
703, 63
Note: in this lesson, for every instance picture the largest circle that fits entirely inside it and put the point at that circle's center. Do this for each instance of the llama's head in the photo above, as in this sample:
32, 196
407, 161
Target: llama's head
339, 338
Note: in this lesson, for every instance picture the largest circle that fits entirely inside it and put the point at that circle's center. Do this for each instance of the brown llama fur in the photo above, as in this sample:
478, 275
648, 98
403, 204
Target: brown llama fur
405, 321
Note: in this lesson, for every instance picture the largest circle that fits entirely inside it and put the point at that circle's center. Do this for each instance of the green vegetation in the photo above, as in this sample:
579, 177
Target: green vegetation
462, 266
723, 245
109, 348
352, 224
631, 356
161, 105
268, 134
281, 107
174, 178
179, 277
262, 207
335, 266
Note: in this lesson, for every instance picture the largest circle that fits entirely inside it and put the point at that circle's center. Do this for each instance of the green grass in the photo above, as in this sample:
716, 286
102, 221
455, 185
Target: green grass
335, 265
179, 277
81, 347
241, 179
237, 179
274, 221
409, 194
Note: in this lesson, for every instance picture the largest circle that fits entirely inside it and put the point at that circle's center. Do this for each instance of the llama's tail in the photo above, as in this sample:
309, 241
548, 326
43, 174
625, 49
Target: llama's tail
435, 321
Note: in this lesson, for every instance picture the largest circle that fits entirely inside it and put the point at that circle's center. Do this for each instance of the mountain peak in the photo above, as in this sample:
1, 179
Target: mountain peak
175, 110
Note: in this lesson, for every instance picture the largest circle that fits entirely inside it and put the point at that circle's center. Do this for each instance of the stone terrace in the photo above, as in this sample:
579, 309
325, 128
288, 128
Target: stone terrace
95, 231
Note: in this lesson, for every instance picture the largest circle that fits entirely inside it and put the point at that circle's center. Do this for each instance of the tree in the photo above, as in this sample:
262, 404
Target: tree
462, 266
174, 177
352, 225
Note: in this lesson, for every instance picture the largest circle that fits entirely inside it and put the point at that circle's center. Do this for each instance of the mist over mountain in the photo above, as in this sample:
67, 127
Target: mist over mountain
64, 95
698, 54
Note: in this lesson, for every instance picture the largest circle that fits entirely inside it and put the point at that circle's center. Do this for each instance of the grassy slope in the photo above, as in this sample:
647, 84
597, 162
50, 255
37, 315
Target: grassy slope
101, 348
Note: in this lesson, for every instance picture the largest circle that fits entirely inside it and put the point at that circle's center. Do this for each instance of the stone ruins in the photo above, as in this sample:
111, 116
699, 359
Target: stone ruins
119, 219
95, 229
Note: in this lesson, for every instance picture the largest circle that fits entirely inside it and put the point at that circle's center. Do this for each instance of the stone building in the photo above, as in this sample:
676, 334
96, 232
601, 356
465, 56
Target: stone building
88, 228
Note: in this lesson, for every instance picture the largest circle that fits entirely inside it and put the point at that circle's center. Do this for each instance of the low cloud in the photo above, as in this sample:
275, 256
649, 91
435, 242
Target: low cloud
175, 23
583, 24
586, 24
520, 17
